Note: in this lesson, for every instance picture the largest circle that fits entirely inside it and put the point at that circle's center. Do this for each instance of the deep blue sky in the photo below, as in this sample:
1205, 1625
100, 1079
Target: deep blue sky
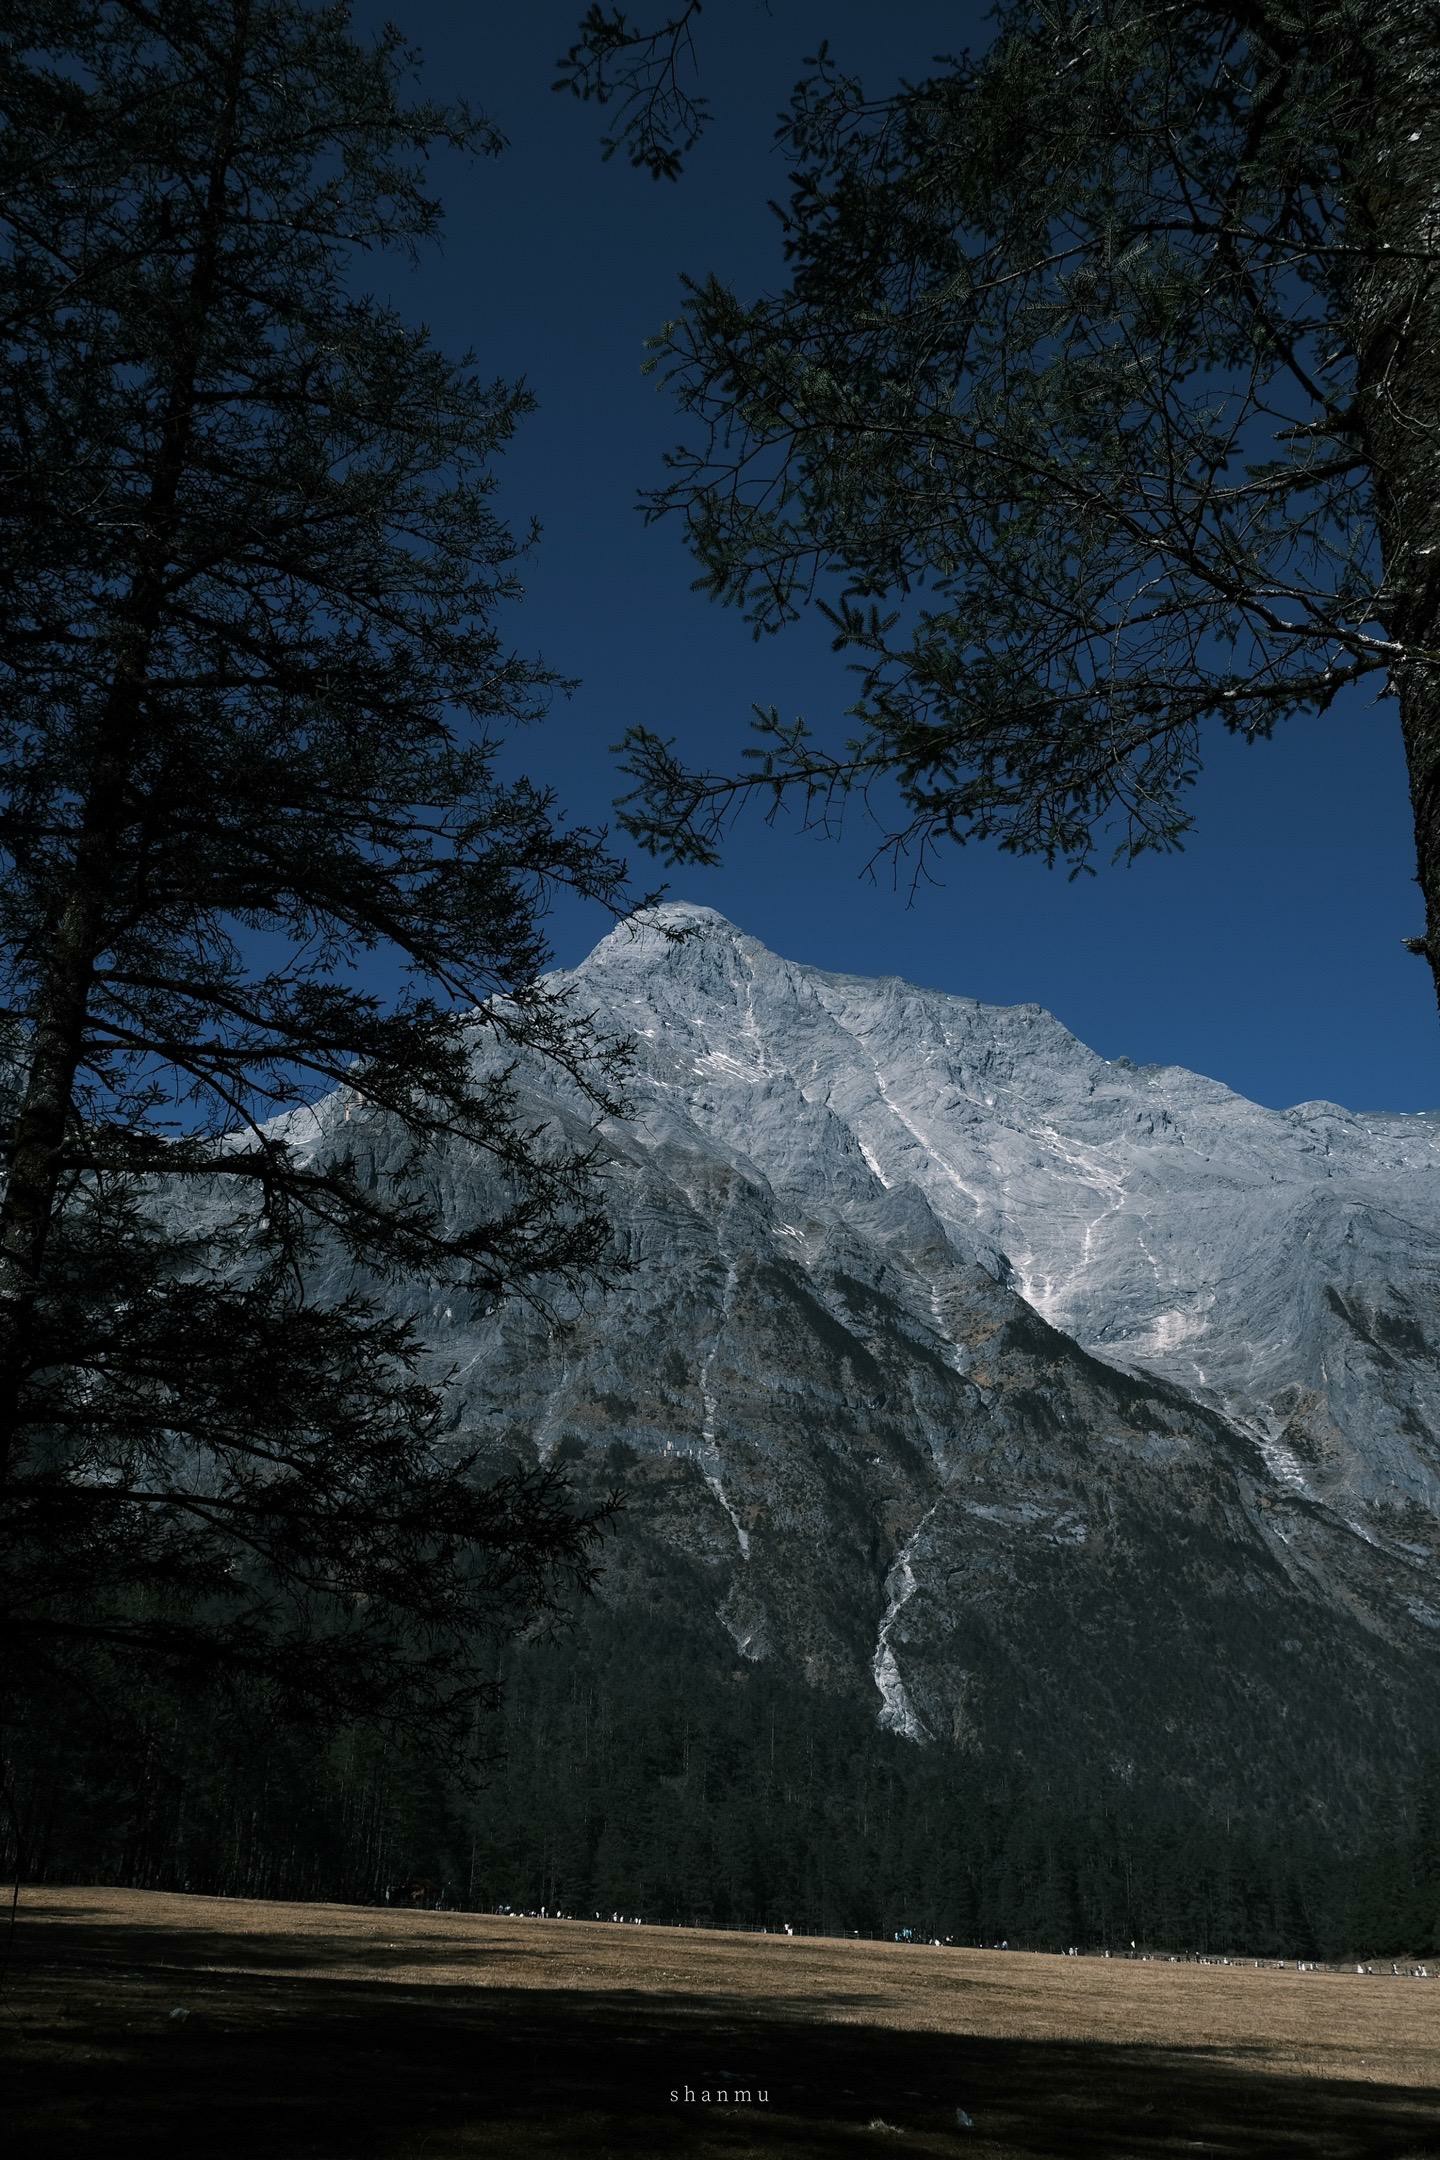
1268, 954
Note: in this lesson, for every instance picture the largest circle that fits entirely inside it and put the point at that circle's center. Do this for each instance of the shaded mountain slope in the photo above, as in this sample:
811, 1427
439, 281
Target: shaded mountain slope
1073, 1414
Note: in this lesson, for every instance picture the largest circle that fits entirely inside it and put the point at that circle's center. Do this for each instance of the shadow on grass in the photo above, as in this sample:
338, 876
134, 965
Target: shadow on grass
297, 2065
125, 1943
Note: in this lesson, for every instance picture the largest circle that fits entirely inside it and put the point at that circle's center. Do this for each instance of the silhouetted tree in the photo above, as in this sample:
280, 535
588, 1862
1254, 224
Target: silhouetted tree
1101, 407
649, 74
255, 698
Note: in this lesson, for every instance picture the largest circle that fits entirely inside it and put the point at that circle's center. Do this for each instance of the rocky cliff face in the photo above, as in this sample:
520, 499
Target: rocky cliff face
1062, 1408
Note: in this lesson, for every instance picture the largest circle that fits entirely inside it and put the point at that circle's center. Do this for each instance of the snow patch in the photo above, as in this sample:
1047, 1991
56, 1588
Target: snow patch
872, 1165
1042, 1292
710, 1469
927, 1142
897, 1712
742, 1535
949, 1350
1168, 1330
721, 1063
1284, 1466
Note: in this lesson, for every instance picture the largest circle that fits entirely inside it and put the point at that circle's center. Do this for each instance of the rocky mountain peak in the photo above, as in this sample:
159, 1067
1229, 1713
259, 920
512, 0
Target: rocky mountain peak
1167, 1224
1013, 1390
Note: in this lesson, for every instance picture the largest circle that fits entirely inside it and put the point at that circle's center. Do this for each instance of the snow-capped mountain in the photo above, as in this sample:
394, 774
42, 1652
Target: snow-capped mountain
1080, 1410
1283, 1265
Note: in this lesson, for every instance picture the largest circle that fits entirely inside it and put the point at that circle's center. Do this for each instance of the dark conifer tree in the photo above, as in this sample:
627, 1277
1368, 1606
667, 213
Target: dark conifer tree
1427, 1856
1101, 410
256, 689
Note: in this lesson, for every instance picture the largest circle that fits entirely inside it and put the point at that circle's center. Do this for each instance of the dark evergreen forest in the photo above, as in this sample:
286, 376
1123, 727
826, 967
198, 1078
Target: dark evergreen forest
656, 1781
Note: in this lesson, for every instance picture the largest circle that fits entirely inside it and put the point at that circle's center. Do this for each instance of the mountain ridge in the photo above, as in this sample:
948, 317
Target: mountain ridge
1062, 1415
1074, 1243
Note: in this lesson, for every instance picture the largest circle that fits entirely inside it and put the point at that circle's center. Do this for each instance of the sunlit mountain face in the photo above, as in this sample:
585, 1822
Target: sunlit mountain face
1077, 1414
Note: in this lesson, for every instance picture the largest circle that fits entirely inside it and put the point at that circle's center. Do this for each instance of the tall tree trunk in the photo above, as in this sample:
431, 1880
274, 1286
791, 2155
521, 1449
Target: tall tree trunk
82, 908
1393, 211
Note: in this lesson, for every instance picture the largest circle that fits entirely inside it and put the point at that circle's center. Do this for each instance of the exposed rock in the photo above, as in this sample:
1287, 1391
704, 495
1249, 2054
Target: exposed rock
1071, 1409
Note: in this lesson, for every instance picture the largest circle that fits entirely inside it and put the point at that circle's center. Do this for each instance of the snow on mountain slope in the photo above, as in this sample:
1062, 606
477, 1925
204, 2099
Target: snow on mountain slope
1055, 1408
1283, 1265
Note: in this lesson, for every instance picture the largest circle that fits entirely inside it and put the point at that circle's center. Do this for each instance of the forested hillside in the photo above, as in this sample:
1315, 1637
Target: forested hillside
685, 1786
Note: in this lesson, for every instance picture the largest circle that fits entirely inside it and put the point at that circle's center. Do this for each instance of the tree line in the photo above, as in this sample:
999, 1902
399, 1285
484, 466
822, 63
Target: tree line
698, 1790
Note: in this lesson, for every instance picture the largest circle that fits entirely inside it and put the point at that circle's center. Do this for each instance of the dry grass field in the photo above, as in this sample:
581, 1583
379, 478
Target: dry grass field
329, 2030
